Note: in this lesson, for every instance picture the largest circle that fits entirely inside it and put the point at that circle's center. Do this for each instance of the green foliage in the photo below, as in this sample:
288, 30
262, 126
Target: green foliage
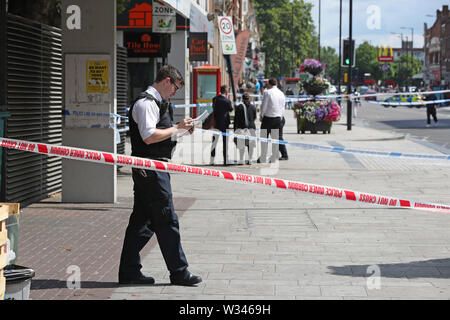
287, 34
329, 56
366, 60
121, 5
401, 70
44, 11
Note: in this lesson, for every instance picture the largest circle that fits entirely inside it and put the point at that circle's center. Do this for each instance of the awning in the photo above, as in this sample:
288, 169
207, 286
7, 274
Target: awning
182, 7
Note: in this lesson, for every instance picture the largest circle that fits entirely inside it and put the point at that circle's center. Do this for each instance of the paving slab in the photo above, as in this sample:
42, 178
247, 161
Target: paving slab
253, 242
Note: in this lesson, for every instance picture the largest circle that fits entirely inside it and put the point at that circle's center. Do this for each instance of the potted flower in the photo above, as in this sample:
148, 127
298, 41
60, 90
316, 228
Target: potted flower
312, 66
315, 115
314, 86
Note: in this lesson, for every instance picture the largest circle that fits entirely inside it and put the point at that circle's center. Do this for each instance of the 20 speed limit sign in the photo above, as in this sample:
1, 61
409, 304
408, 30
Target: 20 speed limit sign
225, 25
227, 35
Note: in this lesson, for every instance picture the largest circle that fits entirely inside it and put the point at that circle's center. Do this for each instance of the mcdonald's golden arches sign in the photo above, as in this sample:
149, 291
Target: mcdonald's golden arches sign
385, 54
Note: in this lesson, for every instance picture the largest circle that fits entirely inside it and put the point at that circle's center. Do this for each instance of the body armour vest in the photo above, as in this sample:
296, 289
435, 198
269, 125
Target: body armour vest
160, 150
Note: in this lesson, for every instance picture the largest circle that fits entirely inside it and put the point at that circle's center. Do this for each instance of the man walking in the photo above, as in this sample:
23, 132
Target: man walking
271, 116
431, 109
153, 211
221, 108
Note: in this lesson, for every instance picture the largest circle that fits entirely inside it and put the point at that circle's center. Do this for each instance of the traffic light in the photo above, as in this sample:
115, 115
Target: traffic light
348, 54
345, 77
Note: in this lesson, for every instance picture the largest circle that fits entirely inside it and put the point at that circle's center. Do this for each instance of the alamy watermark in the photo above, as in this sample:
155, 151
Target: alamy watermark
373, 21
74, 279
374, 280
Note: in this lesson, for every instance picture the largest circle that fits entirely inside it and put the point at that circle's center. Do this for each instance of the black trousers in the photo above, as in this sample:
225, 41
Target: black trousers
153, 212
270, 126
431, 111
283, 149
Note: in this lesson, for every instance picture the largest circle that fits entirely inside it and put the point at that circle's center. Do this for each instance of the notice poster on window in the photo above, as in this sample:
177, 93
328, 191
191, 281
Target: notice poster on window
97, 73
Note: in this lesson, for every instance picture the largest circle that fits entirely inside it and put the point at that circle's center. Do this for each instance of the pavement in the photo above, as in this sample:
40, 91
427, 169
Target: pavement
258, 243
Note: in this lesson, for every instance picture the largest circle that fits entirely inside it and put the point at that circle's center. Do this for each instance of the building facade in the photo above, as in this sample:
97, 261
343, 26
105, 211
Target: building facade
418, 53
136, 49
437, 50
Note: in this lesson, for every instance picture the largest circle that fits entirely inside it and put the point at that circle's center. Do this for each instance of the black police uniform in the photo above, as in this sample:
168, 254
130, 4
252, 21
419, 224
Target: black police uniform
221, 108
431, 108
153, 210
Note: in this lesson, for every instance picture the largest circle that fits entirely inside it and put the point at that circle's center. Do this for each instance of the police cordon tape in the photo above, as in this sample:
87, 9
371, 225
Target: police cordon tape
353, 96
306, 98
412, 103
282, 184
389, 154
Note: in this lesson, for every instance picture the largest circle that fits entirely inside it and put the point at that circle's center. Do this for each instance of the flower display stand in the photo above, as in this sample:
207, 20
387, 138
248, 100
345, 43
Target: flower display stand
304, 125
322, 111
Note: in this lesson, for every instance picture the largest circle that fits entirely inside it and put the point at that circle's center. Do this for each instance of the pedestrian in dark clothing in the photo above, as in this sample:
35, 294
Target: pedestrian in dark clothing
283, 149
244, 124
431, 109
221, 108
153, 212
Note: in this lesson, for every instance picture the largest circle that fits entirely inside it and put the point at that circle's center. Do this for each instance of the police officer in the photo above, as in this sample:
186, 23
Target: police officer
431, 108
151, 130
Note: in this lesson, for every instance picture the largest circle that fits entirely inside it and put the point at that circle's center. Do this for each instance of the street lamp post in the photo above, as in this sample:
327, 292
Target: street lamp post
407, 61
427, 78
401, 54
319, 28
349, 83
412, 48
292, 42
340, 45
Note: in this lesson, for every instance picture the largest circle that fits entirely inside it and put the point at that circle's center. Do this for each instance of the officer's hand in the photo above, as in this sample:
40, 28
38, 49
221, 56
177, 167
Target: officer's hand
186, 124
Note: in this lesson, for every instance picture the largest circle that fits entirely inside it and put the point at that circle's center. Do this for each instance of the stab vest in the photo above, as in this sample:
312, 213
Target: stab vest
160, 150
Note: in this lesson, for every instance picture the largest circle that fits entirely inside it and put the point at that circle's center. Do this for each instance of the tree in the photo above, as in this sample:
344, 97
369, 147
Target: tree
405, 68
121, 5
329, 56
43, 11
366, 60
287, 34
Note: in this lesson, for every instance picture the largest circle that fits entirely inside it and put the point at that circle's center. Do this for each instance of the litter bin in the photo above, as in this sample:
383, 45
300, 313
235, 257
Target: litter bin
18, 282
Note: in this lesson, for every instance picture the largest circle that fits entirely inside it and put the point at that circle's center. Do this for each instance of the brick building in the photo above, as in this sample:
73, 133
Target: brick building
437, 50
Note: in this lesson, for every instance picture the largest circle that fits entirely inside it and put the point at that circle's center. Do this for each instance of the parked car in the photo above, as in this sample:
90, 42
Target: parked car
362, 89
332, 89
401, 98
371, 97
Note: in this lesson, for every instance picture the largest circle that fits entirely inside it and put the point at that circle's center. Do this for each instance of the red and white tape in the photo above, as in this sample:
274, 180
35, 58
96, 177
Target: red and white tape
143, 163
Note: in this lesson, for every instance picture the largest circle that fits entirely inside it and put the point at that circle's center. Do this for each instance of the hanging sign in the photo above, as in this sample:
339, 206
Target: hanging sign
227, 35
163, 19
386, 67
198, 46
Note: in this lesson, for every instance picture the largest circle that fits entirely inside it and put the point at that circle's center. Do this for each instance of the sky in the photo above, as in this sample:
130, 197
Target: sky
375, 20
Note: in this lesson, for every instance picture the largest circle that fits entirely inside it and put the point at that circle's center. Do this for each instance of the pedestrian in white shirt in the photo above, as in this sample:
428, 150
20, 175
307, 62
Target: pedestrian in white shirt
271, 116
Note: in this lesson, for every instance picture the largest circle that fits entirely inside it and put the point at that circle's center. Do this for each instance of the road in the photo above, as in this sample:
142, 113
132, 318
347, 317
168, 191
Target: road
410, 121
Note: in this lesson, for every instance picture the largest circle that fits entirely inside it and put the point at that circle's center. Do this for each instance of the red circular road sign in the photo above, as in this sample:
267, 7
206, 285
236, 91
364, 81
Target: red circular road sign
226, 25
